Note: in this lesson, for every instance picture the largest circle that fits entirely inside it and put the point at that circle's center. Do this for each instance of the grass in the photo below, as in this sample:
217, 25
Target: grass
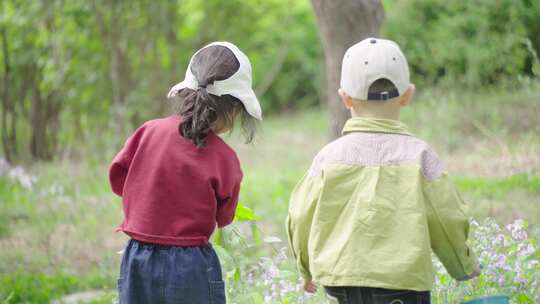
498, 186
42, 288
59, 238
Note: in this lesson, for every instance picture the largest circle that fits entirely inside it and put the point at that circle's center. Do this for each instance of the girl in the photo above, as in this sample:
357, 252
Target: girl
178, 180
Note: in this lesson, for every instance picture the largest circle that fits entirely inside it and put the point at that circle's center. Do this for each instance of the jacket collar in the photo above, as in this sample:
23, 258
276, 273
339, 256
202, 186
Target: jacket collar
375, 125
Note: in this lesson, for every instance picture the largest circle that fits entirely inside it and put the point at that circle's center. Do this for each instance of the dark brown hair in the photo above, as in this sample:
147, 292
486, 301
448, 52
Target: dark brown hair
200, 110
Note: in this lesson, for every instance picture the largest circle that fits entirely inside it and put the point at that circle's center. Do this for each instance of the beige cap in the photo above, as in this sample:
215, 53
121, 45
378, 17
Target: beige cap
372, 59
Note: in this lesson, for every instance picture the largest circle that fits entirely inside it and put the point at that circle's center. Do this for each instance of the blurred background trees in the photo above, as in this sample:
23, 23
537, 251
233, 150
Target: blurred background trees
71, 70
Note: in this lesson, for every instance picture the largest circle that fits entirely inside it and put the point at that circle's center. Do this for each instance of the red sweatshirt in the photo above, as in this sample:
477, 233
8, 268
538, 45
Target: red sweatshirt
174, 193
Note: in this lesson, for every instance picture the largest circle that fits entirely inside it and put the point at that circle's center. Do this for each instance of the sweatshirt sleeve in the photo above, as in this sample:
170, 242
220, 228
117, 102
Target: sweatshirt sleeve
226, 207
301, 209
119, 167
448, 223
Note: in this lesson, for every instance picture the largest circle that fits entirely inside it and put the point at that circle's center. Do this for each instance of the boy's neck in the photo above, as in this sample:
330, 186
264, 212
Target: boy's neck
388, 109
375, 113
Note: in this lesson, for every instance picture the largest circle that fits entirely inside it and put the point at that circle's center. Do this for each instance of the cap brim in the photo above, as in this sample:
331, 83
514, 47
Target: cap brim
186, 83
251, 103
175, 89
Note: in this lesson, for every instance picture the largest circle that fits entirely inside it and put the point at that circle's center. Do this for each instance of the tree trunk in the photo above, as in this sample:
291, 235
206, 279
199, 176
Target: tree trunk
46, 106
9, 112
44, 123
341, 24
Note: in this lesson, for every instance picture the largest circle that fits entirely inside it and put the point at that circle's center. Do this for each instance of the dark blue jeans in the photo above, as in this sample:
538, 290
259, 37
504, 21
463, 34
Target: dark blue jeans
367, 295
161, 274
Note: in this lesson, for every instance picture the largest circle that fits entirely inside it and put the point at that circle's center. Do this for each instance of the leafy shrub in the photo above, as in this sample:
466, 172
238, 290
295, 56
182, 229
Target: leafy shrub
469, 43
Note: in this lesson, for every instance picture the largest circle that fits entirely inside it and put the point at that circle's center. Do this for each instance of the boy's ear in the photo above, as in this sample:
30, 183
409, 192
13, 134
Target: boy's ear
408, 96
346, 99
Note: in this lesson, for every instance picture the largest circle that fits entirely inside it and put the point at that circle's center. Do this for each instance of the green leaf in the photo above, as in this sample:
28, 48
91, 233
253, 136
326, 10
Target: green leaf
244, 213
217, 238
444, 280
524, 299
237, 276
256, 234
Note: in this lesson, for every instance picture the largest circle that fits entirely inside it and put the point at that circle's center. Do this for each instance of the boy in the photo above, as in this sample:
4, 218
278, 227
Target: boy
363, 220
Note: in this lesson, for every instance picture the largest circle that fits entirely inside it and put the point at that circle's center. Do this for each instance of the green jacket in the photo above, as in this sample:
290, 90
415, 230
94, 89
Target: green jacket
372, 206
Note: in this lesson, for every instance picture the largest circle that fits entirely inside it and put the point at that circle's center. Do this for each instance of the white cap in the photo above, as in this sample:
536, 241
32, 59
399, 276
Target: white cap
372, 59
238, 85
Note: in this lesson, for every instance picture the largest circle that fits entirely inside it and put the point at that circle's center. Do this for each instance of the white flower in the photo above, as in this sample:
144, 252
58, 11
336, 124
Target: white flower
19, 175
272, 239
4, 166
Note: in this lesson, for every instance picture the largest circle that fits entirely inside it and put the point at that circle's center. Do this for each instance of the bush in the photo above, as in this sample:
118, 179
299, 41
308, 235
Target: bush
468, 43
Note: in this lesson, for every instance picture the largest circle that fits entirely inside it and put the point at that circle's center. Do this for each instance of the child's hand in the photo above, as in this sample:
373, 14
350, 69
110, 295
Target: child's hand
476, 272
309, 286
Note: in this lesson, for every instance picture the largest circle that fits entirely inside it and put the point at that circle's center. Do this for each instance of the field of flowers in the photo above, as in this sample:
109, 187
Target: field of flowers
57, 219
510, 262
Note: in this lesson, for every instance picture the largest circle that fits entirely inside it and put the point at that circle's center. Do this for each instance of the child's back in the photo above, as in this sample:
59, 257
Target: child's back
178, 181
371, 224
375, 202
168, 179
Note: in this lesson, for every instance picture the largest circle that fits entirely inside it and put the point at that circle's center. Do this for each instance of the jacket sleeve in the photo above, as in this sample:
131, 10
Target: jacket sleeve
302, 206
119, 167
449, 227
226, 207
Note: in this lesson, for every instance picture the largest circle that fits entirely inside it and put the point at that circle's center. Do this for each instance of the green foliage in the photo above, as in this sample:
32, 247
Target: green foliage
42, 288
466, 43
483, 186
243, 214
75, 67
71, 69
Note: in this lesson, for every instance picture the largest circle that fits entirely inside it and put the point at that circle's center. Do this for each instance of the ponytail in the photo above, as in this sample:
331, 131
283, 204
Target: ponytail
199, 113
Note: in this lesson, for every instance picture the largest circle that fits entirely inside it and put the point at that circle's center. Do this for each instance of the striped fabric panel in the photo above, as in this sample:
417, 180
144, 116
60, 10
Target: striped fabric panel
378, 149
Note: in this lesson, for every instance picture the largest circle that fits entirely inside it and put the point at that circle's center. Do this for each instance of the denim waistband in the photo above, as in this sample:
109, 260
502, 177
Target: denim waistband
141, 244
